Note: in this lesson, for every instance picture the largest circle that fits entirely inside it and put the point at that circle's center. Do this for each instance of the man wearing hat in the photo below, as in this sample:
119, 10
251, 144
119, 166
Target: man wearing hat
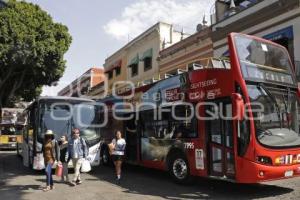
78, 151
51, 154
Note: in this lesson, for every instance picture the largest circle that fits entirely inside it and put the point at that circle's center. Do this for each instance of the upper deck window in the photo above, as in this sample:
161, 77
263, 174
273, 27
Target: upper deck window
263, 61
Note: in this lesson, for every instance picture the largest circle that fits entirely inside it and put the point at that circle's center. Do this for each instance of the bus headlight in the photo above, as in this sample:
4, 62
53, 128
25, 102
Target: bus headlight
264, 160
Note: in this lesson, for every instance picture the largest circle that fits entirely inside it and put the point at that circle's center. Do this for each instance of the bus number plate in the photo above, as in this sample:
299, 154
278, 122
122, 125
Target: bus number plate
289, 173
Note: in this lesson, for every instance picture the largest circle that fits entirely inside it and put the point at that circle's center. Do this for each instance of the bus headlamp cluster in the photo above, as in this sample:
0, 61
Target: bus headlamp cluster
287, 160
264, 160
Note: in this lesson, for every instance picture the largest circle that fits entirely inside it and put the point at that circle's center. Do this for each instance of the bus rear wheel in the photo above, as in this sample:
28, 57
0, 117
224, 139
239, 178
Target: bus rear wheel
179, 169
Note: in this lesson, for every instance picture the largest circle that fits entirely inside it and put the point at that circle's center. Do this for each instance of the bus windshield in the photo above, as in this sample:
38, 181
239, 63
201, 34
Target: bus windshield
61, 118
265, 62
10, 130
275, 113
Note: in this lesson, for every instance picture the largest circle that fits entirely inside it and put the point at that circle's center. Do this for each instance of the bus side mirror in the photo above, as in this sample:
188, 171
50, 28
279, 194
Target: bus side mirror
238, 106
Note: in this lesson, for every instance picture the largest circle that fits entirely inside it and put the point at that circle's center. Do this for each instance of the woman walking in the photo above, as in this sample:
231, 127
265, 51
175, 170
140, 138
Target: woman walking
64, 158
118, 148
51, 154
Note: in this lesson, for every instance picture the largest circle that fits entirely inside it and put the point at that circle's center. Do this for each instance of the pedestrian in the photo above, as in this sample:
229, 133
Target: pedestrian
51, 153
64, 158
78, 151
118, 145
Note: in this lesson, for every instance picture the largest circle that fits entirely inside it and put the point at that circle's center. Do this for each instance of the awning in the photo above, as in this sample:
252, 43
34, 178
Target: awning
134, 61
283, 33
114, 66
117, 64
108, 69
147, 54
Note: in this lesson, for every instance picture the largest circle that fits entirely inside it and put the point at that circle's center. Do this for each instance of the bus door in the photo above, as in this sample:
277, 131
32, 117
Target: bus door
130, 127
220, 138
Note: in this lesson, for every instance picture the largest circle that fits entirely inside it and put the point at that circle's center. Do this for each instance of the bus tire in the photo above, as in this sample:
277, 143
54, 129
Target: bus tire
105, 157
179, 168
18, 151
30, 160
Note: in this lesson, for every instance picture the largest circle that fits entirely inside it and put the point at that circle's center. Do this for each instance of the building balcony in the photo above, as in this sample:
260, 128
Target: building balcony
244, 17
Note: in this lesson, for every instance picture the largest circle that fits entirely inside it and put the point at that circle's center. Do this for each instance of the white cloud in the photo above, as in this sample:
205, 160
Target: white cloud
142, 14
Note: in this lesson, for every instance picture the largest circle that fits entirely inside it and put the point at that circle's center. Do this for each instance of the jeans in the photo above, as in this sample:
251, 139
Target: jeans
77, 162
49, 178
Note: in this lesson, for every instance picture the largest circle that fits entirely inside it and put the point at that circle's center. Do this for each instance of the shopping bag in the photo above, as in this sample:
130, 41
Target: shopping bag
58, 170
111, 147
86, 166
38, 162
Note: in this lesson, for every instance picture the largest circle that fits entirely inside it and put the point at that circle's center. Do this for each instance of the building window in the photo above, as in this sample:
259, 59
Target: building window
147, 63
134, 70
134, 65
118, 71
147, 58
110, 74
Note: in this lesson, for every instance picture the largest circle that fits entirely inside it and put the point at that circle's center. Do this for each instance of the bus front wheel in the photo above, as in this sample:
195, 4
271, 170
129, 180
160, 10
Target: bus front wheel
105, 157
179, 168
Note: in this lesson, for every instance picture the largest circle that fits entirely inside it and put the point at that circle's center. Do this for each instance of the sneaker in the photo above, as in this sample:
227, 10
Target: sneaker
78, 182
46, 189
118, 180
73, 183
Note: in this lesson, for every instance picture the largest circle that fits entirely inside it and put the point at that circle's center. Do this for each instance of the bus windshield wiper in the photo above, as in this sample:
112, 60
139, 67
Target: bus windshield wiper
263, 133
286, 102
271, 96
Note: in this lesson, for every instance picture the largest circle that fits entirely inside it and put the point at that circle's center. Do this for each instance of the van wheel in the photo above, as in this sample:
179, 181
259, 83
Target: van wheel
179, 168
105, 157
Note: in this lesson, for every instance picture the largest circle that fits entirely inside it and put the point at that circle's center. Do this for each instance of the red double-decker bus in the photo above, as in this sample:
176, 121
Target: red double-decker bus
234, 119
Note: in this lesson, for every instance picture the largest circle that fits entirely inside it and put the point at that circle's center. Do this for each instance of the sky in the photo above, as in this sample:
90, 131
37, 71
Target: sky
99, 28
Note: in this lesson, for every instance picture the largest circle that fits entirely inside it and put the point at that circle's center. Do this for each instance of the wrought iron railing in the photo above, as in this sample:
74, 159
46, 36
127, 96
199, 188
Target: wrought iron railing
241, 6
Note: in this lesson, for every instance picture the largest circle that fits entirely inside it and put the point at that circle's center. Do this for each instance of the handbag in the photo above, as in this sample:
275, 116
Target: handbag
38, 162
58, 170
86, 166
111, 148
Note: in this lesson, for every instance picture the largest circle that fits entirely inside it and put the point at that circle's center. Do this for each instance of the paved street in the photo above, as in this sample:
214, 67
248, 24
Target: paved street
17, 182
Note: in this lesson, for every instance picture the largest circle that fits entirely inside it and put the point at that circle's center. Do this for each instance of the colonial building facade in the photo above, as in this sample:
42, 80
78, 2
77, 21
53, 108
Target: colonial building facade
137, 61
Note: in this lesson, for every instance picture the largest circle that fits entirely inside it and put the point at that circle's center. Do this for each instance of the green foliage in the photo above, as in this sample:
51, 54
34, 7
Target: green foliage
32, 49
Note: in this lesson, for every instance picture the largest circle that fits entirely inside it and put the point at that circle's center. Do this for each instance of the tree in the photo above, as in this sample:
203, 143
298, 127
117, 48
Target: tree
32, 49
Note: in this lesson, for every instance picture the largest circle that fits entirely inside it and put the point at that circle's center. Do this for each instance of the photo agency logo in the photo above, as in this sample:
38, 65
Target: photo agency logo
125, 104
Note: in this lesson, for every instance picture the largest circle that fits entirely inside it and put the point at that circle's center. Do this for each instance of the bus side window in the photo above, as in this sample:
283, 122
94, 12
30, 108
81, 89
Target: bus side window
243, 137
147, 123
187, 126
